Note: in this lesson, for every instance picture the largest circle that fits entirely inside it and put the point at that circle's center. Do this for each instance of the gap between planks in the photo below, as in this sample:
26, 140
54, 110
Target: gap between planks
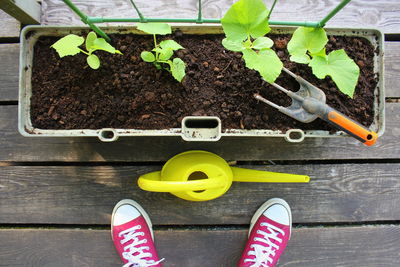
230, 163
195, 227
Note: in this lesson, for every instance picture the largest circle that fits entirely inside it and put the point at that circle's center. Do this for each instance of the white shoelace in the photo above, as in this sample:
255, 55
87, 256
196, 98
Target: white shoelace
137, 260
263, 254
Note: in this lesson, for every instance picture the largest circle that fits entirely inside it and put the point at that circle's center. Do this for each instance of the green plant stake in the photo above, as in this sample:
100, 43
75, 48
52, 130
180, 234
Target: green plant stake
245, 24
161, 53
307, 46
90, 21
69, 46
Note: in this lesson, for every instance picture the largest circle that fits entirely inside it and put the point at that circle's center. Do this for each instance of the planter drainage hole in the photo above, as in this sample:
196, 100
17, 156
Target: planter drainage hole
108, 135
197, 176
294, 135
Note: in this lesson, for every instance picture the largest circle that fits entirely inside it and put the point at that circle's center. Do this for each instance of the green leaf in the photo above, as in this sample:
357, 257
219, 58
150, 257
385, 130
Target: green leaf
266, 62
306, 39
236, 46
262, 43
248, 44
68, 45
170, 44
342, 69
93, 61
90, 40
101, 44
178, 69
154, 28
321, 53
304, 59
246, 18
166, 54
147, 56
157, 49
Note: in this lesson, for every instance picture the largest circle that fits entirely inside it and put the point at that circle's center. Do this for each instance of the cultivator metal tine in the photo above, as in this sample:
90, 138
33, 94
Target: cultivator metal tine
305, 85
287, 111
297, 77
290, 73
287, 92
272, 104
295, 110
258, 97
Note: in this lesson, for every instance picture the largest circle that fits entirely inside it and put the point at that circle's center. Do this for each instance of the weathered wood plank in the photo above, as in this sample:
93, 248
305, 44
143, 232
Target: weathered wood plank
139, 149
381, 14
9, 27
9, 55
86, 195
392, 69
367, 246
25, 11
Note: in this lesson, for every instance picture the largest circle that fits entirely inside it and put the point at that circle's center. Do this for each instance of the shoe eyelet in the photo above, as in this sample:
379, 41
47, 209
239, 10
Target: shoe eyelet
145, 240
258, 231
139, 227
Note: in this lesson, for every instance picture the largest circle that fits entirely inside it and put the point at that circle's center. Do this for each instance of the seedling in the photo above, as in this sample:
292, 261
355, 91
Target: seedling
245, 24
307, 46
161, 54
69, 46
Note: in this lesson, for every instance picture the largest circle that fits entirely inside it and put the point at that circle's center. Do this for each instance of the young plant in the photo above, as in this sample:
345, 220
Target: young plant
161, 54
307, 46
245, 24
69, 46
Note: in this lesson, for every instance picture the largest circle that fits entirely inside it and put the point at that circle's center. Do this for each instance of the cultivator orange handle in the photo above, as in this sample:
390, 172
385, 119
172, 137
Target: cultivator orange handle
351, 127
340, 120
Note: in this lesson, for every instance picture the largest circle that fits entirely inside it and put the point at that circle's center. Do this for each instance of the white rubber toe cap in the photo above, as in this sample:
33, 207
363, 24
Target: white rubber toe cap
278, 213
125, 213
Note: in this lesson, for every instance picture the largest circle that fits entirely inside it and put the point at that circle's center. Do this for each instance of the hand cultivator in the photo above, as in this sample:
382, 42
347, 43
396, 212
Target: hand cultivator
309, 103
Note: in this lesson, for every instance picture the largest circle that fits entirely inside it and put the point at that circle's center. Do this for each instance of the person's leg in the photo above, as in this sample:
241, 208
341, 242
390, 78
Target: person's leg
269, 233
132, 233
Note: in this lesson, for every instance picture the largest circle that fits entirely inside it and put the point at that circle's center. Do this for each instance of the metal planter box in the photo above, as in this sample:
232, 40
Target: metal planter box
193, 128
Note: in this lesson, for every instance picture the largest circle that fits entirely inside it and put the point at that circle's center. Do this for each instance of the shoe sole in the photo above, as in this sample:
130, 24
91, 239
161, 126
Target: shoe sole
138, 207
265, 206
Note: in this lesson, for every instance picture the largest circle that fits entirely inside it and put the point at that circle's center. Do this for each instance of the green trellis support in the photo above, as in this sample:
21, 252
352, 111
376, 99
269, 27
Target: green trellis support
91, 21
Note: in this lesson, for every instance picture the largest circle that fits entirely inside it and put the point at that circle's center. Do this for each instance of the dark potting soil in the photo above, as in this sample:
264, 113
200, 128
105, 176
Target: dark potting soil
126, 92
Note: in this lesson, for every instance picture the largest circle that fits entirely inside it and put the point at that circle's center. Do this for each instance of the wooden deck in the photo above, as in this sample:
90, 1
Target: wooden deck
56, 195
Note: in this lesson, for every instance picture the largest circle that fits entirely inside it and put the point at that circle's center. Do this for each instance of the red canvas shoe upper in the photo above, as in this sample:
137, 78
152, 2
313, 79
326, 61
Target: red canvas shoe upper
267, 241
134, 243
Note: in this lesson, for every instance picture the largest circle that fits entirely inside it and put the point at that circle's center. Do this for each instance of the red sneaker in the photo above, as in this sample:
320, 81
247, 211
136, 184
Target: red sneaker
269, 233
132, 235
